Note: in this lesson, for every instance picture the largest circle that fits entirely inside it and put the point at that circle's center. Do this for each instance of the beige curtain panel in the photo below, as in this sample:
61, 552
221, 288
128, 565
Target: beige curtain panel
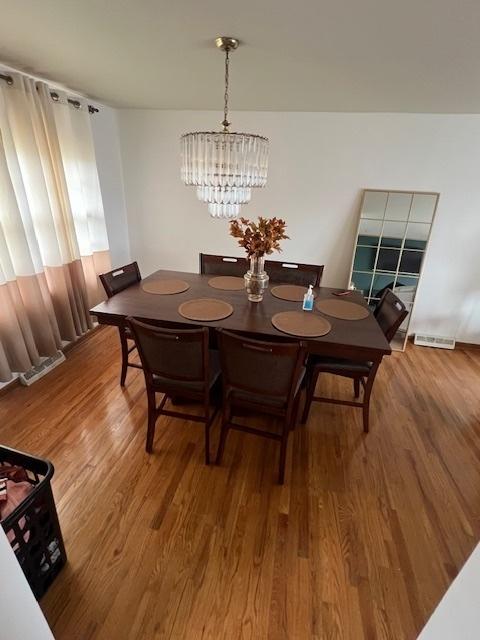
53, 239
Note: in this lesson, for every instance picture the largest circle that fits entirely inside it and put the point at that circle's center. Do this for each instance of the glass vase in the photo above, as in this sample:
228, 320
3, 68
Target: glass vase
256, 279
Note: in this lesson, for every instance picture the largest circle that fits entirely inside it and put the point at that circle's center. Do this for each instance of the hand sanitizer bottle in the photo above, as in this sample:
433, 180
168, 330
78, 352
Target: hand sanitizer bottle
308, 299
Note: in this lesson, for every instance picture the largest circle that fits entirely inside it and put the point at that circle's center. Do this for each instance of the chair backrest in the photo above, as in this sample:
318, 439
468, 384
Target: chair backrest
263, 368
390, 312
223, 265
279, 271
178, 355
119, 279
294, 273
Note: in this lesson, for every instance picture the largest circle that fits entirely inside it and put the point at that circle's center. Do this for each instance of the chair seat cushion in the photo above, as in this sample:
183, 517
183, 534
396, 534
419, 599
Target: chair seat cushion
242, 397
168, 385
340, 365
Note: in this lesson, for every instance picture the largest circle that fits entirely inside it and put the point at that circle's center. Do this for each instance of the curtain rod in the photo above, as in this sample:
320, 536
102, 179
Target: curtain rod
76, 103
54, 95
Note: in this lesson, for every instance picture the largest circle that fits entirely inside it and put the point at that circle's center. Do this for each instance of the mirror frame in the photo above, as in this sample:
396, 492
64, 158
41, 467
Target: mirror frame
400, 340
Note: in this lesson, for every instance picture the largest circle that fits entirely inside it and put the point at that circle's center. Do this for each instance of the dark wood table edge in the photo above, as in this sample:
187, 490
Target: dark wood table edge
336, 349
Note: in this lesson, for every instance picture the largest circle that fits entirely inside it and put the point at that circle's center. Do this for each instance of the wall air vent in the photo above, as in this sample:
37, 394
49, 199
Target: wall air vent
441, 342
34, 374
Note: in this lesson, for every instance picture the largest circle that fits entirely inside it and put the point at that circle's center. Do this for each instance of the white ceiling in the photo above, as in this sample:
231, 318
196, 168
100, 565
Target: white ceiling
298, 55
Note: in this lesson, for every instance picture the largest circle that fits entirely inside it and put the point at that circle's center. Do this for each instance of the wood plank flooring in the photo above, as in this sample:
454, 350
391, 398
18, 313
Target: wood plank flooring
361, 542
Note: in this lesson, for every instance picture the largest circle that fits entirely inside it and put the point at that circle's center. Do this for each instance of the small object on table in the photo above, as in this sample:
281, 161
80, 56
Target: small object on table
300, 324
342, 293
227, 283
342, 309
290, 292
205, 309
256, 279
165, 287
308, 299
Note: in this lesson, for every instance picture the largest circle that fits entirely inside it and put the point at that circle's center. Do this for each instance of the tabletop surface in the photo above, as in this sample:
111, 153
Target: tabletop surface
347, 338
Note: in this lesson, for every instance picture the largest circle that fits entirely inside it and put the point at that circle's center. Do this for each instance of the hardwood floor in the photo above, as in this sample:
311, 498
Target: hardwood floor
361, 542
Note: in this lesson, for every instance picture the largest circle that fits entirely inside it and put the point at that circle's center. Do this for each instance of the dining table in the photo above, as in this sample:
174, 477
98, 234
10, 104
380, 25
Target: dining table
359, 340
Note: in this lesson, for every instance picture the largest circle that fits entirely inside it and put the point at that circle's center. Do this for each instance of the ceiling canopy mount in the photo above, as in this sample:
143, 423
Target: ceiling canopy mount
226, 43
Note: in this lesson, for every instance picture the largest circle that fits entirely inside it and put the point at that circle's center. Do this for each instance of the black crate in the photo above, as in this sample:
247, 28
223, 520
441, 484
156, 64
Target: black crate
33, 527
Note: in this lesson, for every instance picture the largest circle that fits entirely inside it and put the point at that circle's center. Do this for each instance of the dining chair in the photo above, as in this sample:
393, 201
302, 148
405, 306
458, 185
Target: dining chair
294, 273
223, 265
390, 312
176, 363
113, 282
263, 377
278, 271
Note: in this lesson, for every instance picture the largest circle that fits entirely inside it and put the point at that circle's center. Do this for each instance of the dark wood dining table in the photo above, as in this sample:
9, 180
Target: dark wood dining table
353, 339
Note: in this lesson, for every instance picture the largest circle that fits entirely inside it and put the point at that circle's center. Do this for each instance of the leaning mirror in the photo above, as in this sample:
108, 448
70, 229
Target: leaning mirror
390, 245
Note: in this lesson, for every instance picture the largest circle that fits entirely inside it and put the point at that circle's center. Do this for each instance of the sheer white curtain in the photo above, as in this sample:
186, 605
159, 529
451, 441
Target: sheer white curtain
53, 240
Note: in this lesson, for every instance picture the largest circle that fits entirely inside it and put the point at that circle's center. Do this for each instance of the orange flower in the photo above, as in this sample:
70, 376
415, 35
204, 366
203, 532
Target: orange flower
259, 238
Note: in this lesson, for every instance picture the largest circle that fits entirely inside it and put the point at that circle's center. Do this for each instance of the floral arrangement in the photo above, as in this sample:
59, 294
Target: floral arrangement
259, 238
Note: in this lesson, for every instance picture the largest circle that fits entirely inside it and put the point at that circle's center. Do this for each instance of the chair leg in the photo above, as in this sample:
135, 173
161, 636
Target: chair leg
207, 443
207, 434
366, 416
296, 406
124, 345
283, 452
226, 417
366, 397
152, 419
309, 397
356, 387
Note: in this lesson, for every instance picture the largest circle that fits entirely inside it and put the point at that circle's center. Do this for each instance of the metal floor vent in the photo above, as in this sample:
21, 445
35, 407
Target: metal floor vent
442, 342
34, 374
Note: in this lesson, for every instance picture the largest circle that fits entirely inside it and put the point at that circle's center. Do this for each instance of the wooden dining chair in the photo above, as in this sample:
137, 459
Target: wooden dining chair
389, 313
278, 271
223, 265
176, 363
113, 282
263, 377
294, 273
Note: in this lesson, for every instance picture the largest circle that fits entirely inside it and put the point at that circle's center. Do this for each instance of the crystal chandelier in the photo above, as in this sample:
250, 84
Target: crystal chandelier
224, 166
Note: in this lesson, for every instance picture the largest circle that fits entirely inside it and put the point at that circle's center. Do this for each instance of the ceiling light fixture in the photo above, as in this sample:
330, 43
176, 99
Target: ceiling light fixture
222, 165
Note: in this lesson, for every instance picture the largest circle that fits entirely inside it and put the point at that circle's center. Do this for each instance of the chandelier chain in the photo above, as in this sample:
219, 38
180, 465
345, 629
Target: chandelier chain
225, 122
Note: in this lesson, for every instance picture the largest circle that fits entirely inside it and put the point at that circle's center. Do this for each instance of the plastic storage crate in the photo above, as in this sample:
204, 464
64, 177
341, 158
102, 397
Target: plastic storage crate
33, 528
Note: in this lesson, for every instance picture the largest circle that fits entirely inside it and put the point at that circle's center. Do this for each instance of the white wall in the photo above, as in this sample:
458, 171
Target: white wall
107, 151
457, 617
319, 164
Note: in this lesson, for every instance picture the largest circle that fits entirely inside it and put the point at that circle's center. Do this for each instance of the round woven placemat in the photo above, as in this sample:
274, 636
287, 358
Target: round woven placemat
342, 309
303, 324
227, 283
205, 309
166, 286
292, 292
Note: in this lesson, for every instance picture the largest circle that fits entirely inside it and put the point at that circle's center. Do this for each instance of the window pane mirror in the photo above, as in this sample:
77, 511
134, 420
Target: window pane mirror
390, 245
